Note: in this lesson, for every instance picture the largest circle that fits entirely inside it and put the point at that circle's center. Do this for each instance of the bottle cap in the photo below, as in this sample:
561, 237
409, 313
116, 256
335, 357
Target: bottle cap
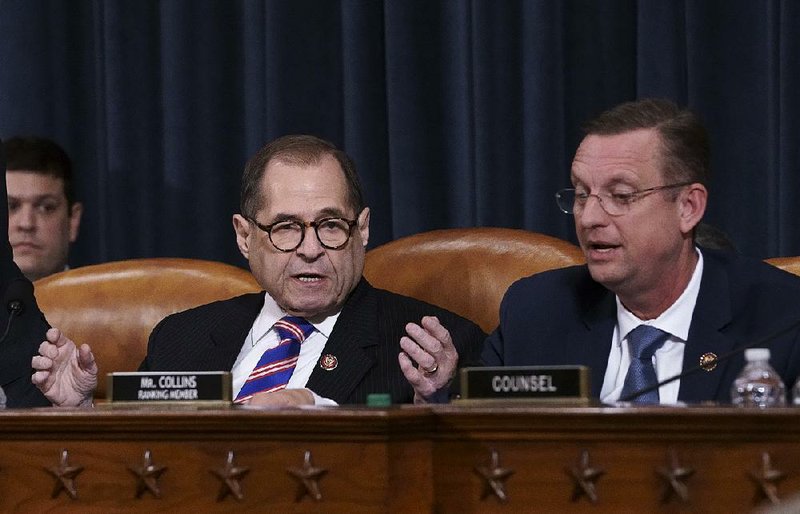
379, 400
756, 354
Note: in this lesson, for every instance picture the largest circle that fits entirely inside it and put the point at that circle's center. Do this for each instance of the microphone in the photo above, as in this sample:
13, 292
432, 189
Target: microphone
711, 362
14, 299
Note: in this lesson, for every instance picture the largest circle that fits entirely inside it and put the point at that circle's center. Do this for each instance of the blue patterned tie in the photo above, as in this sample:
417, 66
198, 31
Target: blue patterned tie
276, 365
643, 341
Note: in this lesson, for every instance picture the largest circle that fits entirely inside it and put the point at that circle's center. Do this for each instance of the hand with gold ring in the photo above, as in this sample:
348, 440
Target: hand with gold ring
432, 370
428, 360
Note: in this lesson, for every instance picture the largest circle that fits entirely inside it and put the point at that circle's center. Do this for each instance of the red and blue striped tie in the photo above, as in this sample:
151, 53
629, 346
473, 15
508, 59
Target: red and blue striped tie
276, 365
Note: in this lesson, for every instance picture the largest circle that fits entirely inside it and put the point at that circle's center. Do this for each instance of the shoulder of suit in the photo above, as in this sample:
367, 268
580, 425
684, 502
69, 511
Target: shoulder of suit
231, 306
390, 300
573, 277
743, 271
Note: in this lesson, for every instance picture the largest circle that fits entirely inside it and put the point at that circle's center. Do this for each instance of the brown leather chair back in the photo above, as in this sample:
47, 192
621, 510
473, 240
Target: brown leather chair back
114, 306
790, 264
466, 270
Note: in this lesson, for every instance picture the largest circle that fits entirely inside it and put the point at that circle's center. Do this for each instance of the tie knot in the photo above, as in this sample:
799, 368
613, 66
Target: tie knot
294, 328
644, 340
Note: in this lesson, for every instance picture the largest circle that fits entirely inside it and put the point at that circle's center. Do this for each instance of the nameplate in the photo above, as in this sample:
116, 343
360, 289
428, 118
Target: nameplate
169, 386
546, 383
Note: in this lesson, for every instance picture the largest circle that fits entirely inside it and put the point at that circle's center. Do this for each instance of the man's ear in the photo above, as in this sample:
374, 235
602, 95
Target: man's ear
243, 230
693, 201
363, 226
75, 213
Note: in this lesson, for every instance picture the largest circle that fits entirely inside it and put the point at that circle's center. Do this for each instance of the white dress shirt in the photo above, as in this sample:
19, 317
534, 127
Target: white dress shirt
668, 360
263, 336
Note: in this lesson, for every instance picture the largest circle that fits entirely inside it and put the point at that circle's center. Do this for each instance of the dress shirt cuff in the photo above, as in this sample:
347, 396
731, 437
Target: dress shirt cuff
324, 402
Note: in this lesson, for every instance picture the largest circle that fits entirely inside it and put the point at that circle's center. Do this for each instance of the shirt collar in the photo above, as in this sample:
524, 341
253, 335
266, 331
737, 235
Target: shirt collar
677, 319
271, 312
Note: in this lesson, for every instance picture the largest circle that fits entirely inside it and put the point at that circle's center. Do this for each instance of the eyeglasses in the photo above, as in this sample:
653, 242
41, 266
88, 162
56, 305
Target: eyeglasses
572, 201
288, 235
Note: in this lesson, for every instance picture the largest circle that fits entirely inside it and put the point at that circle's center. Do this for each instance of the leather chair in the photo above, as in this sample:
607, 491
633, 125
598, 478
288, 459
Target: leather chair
114, 306
466, 270
790, 264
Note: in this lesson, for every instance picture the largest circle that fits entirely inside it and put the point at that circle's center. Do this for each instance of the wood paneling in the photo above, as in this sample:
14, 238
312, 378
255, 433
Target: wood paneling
401, 459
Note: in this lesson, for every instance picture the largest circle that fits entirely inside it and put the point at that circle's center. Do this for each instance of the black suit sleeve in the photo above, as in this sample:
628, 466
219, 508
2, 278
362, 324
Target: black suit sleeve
366, 340
28, 330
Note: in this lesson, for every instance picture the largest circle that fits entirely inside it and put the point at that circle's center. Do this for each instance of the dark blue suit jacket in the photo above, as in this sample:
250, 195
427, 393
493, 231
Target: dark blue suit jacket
565, 317
27, 331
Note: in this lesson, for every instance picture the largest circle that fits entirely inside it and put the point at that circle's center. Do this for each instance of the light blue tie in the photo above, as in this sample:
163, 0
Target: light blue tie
643, 342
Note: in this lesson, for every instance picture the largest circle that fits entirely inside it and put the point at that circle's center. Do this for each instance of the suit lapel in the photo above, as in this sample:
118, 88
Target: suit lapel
354, 330
711, 314
227, 338
594, 336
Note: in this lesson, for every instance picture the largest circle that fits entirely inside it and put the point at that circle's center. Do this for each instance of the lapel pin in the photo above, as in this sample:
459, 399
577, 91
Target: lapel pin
708, 361
328, 362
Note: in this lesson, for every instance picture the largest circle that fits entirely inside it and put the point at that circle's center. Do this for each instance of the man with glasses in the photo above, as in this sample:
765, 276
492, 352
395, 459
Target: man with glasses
320, 334
648, 304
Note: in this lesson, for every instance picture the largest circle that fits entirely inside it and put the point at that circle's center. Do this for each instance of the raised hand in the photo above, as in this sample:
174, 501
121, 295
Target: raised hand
66, 374
430, 346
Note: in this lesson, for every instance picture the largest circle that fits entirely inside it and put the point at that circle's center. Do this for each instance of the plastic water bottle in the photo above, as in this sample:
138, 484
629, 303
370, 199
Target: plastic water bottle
758, 385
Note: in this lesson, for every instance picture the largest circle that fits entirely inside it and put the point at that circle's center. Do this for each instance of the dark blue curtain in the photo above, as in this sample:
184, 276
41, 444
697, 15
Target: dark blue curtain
458, 113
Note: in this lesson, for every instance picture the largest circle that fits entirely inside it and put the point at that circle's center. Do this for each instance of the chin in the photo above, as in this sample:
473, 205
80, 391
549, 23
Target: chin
604, 276
312, 310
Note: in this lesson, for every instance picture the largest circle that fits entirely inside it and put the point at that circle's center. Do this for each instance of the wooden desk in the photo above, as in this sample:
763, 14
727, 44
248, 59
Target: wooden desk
544, 445
397, 460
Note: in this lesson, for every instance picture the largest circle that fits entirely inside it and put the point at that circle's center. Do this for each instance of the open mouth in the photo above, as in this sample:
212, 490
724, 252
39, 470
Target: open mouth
309, 278
598, 249
601, 247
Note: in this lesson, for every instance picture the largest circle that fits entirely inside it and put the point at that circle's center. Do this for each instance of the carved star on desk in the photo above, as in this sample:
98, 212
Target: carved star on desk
584, 477
308, 476
494, 477
65, 477
230, 476
148, 475
767, 479
675, 478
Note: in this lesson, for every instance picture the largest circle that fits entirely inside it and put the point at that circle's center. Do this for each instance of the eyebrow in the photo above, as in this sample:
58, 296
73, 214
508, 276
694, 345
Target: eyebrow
328, 212
619, 181
35, 198
615, 181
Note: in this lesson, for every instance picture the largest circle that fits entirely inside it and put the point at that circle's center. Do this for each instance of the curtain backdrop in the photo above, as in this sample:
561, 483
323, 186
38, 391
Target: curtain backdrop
457, 113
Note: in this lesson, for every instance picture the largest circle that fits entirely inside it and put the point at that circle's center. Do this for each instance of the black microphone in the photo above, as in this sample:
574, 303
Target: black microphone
14, 299
711, 361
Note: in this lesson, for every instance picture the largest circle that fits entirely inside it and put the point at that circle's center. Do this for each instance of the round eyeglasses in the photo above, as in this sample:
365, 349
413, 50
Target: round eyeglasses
572, 201
288, 235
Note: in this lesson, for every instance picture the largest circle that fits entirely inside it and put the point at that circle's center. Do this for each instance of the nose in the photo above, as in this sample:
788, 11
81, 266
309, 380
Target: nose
592, 214
23, 218
310, 248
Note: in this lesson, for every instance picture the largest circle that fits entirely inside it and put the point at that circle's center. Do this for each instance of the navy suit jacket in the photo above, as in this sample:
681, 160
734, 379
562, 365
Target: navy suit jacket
28, 329
365, 341
565, 317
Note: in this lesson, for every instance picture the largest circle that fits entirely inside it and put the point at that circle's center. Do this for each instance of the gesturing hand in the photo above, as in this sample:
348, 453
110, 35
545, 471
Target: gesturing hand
64, 373
430, 346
